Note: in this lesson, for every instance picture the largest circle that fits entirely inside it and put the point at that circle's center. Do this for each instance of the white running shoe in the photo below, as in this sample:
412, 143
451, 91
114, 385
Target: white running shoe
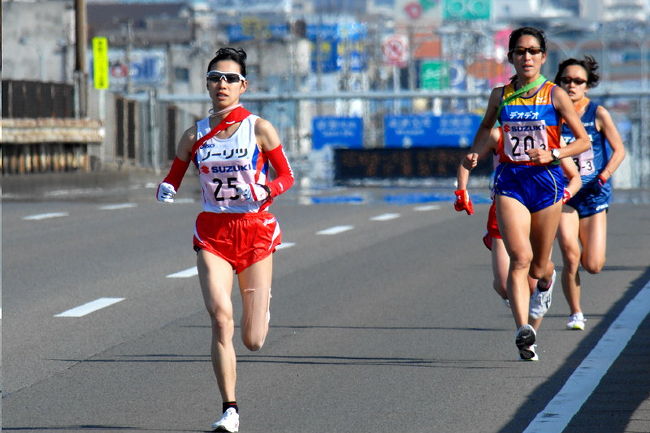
506, 302
576, 321
229, 421
531, 353
540, 302
525, 341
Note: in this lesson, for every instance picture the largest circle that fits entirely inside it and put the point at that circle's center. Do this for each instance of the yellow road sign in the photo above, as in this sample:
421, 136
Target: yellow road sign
100, 63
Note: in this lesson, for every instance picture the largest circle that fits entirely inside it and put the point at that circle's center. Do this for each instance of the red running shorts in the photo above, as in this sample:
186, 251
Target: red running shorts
492, 227
239, 238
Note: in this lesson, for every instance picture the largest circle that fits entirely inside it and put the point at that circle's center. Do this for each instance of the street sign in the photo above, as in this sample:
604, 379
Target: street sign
339, 132
418, 11
466, 10
337, 47
426, 130
396, 50
434, 75
100, 62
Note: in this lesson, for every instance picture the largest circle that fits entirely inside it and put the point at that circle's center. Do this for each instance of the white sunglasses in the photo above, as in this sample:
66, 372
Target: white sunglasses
230, 77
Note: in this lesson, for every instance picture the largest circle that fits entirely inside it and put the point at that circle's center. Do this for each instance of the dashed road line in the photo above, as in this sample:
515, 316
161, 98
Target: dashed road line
284, 245
426, 207
43, 216
89, 307
334, 230
385, 217
187, 273
118, 206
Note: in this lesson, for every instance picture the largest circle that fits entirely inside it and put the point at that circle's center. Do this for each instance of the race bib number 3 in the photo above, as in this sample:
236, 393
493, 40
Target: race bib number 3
518, 137
585, 162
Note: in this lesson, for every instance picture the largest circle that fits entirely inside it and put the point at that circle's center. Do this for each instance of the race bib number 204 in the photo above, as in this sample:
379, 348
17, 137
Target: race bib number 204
518, 137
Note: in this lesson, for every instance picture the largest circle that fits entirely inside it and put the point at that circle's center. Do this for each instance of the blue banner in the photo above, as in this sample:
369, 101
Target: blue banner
339, 132
427, 130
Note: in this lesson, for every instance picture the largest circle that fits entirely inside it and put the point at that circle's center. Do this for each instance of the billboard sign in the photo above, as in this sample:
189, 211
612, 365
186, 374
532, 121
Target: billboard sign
144, 68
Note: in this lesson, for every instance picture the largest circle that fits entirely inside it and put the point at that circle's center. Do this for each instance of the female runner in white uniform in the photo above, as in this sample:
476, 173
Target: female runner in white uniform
232, 149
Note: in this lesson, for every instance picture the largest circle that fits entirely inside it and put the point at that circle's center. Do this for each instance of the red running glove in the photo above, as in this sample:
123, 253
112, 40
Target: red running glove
463, 202
567, 196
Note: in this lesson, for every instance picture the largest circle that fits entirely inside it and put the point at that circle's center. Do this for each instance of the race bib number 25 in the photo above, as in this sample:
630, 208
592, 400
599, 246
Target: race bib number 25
518, 137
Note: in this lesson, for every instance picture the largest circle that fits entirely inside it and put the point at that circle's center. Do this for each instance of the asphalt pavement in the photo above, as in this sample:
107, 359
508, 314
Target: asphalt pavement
619, 403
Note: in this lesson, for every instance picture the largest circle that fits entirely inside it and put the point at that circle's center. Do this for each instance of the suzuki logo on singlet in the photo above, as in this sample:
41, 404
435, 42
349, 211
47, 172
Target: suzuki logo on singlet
526, 128
205, 169
231, 168
506, 128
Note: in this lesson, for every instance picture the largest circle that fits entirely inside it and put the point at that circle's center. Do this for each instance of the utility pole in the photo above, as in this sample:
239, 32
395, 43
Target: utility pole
128, 54
80, 68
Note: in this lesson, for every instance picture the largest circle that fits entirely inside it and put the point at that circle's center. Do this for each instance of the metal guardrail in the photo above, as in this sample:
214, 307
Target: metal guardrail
635, 172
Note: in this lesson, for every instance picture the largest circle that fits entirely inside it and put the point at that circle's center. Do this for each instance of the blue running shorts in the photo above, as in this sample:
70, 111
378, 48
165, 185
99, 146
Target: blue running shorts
590, 201
536, 187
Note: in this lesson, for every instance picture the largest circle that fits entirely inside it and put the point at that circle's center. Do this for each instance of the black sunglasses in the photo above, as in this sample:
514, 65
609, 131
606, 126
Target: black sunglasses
569, 80
533, 51
230, 77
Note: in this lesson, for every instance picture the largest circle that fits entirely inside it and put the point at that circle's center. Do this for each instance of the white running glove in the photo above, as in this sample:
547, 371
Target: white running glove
166, 193
252, 191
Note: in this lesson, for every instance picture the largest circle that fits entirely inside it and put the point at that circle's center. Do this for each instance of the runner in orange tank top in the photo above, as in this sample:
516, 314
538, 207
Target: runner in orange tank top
529, 184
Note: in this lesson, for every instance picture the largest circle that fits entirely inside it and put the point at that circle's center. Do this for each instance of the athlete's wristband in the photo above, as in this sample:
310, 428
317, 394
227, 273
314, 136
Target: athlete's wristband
176, 172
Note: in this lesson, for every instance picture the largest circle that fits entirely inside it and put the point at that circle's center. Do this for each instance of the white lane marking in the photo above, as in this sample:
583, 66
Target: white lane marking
385, 217
187, 273
558, 412
335, 230
43, 216
89, 307
285, 245
118, 206
426, 207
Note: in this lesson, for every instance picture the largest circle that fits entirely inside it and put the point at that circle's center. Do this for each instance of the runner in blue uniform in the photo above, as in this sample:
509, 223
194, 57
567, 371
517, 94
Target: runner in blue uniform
584, 218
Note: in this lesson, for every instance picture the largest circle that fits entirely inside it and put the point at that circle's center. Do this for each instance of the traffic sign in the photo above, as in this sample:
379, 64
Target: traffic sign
466, 10
339, 132
100, 63
396, 50
427, 130
434, 75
